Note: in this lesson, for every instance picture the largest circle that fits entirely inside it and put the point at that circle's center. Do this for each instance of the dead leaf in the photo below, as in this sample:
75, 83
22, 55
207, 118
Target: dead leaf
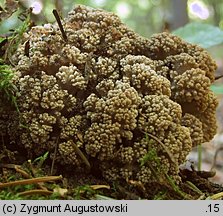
61, 191
137, 184
80, 136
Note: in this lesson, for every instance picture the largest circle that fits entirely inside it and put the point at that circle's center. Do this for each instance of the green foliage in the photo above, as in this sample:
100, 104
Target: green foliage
40, 160
8, 195
5, 77
13, 194
1, 39
102, 197
151, 155
83, 191
160, 196
176, 188
15, 39
6, 87
6, 72
217, 89
201, 34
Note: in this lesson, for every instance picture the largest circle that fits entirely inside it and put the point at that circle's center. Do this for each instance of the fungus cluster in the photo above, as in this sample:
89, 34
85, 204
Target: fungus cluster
132, 104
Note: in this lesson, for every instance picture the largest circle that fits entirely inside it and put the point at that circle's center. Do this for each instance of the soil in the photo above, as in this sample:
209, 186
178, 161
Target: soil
85, 185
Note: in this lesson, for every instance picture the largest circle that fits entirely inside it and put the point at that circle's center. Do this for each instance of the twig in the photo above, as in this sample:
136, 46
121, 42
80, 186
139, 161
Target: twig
40, 184
194, 188
27, 47
96, 187
218, 77
17, 168
22, 172
137, 184
80, 153
10, 166
32, 169
34, 192
56, 15
54, 156
215, 157
201, 197
215, 196
199, 150
177, 189
31, 181
3, 42
87, 66
164, 147
206, 174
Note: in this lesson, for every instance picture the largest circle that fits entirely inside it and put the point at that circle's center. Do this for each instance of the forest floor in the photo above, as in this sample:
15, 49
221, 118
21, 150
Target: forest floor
34, 180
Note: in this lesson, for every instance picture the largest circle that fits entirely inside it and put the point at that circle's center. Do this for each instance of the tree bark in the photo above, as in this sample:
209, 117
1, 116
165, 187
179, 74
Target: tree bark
179, 14
217, 11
